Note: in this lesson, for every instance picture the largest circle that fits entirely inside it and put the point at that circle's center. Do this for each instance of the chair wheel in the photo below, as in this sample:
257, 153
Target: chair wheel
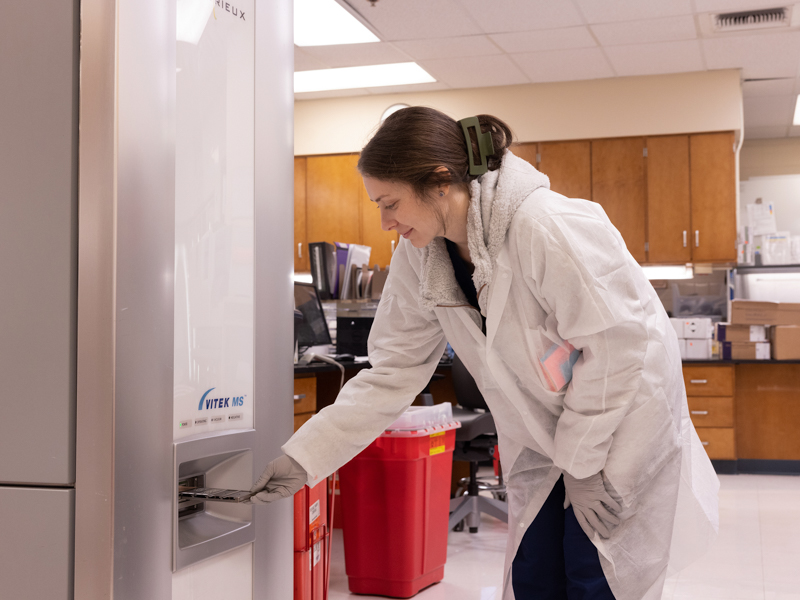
459, 526
473, 530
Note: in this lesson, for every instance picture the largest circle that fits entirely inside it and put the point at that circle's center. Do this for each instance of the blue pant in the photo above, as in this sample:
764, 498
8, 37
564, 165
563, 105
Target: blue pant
555, 560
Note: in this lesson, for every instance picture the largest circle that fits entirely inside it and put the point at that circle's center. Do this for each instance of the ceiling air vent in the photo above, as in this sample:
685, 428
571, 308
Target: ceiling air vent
752, 19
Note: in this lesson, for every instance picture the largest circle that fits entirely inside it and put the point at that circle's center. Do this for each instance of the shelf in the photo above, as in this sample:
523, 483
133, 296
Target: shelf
767, 269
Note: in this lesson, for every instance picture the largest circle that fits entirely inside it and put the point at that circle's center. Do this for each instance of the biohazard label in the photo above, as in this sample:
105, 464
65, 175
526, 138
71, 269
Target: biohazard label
317, 553
313, 512
437, 443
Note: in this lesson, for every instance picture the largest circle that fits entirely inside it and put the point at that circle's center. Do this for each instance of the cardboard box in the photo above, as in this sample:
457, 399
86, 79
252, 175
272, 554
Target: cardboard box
698, 328
785, 342
698, 349
755, 312
726, 332
745, 350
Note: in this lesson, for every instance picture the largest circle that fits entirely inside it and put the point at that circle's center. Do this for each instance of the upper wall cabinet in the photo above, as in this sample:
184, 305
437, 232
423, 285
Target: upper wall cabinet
669, 206
713, 185
567, 164
331, 205
618, 185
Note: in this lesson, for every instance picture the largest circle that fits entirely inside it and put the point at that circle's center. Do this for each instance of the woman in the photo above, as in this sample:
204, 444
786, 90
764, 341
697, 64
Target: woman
608, 484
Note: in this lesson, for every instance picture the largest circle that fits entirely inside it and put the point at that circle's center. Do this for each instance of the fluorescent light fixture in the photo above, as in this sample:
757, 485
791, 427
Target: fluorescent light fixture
303, 278
348, 78
796, 120
191, 19
668, 271
326, 23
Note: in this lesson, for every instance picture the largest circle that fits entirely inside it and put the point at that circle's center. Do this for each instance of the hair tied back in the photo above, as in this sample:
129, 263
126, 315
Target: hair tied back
474, 136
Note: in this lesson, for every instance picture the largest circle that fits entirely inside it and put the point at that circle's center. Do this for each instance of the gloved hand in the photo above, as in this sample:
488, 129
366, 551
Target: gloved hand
592, 504
281, 479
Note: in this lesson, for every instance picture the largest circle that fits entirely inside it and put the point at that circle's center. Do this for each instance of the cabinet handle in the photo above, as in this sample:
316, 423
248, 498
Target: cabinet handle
298, 397
698, 381
300, 250
393, 243
699, 412
684, 238
704, 443
696, 238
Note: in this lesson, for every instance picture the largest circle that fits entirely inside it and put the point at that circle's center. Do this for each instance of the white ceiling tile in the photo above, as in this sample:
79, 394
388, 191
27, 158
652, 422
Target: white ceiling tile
656, 59
760, 133
522, 15
304, 62
564, 65
669, 29
768, 87
473, 45
354, 55
603, 11
417, 19
546, 39
758, 55
727, 6
330, 94
479, 71
768, 111
408, 89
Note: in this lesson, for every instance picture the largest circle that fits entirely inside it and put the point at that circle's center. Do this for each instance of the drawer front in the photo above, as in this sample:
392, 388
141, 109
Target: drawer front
710, 411
708, 380
305, 395
300, 419
719, 442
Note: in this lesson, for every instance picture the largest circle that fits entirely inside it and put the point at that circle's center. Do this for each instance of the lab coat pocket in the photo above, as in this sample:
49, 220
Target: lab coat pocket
553, 360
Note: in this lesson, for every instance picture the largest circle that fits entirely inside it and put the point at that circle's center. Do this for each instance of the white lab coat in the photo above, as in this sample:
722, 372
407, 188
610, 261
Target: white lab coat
549, 269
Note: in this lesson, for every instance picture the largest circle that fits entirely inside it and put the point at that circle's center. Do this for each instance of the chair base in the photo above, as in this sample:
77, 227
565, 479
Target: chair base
471, 507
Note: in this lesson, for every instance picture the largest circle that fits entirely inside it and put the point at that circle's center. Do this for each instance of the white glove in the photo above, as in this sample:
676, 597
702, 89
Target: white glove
282, 478
592, 504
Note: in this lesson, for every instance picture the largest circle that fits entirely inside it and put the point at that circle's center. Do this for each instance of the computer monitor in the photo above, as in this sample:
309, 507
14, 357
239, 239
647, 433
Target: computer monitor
313, 331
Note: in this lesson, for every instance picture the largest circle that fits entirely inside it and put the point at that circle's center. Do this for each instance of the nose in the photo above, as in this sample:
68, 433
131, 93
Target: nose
387, 223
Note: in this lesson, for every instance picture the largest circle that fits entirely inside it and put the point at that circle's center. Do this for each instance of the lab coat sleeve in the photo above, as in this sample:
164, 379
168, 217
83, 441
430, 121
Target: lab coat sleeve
405, 345
584, 277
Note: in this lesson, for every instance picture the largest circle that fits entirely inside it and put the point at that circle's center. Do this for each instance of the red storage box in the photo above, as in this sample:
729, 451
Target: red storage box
395, 508
310, 539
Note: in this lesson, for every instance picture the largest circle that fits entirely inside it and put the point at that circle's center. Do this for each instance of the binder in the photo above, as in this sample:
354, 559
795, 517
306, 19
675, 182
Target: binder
341, 260
323, 268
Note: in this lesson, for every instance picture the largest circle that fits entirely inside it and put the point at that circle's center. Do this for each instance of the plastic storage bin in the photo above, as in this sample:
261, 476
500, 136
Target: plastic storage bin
395, 507
310, 542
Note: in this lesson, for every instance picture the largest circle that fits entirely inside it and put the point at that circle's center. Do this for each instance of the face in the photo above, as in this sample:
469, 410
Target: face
402, 211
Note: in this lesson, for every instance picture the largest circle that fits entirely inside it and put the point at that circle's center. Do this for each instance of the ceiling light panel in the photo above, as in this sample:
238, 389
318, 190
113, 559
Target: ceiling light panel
360, 77
540, 41
326, 23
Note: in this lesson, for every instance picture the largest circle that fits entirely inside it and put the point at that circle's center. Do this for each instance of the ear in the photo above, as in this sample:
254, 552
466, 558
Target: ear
444, 188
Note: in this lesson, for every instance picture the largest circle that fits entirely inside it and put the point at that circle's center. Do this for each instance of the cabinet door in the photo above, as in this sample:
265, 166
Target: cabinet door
569, 167
713, 185
618, 186
382, 242
301, 263
332, 199
528, 151
668, 203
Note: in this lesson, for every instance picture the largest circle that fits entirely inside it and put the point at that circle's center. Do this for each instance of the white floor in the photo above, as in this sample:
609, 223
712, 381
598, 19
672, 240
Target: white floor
755, 557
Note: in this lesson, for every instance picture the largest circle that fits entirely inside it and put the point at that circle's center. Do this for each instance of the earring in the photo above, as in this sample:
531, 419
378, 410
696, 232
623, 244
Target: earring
441, 193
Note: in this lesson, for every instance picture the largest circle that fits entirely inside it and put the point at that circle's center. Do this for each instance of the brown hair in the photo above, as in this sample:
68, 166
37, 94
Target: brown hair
414, 142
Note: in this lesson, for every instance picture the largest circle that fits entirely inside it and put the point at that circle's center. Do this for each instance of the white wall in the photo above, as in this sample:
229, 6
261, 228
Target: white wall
653, 105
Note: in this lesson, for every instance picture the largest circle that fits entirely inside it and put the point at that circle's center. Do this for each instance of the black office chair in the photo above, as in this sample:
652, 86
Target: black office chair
475, 442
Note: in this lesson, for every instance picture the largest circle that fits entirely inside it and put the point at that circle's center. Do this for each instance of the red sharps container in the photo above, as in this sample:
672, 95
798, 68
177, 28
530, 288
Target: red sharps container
396, 505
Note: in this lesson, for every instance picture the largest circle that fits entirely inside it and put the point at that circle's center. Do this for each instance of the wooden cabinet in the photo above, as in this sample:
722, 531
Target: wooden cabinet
713, 186
301, 263
710, 393
305, 400
336, 208
618, 185
669, 206
768, 411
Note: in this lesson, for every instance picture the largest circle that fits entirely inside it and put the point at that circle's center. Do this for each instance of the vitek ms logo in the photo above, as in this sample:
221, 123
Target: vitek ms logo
210, 403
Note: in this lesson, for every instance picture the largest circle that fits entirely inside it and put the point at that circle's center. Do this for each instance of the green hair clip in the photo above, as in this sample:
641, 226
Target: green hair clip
485, 145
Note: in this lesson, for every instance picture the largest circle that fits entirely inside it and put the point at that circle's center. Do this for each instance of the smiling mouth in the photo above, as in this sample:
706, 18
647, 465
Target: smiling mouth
407, 233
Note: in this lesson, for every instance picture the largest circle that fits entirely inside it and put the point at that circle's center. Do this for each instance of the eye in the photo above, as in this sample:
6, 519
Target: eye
390, 206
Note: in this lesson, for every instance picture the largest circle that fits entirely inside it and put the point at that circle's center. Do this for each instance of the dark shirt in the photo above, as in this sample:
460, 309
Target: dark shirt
464, 277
